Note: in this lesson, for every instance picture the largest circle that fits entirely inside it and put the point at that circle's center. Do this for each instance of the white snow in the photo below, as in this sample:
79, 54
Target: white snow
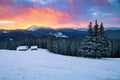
5, 31
60, 34
34, 48
33, 28
11, 39
22, 48
43, 65
81, 29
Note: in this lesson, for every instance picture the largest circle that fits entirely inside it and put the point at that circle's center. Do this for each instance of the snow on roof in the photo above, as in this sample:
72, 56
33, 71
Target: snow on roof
22, 47
34, 47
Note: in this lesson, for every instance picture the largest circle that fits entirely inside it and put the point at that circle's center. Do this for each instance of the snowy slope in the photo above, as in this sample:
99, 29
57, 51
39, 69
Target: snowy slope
43, 65
33, 28
60, 34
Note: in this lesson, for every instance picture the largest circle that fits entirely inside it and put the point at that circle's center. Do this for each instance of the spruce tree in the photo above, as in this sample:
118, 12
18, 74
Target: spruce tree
96, 40
96, 43
90, 30
104, 42
87, 47
96, 29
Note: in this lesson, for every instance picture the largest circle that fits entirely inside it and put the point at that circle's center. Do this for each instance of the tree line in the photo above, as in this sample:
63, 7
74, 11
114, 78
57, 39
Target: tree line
65, 46
12, 45
71, 47
95, 44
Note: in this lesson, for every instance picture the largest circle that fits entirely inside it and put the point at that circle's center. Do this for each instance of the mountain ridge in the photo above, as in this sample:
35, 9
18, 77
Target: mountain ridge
36, 32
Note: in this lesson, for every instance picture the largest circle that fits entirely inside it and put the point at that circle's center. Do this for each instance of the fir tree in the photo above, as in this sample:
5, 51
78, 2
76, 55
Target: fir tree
96, 40
95, 44
90, 30
96, 29
87, 47
104, 47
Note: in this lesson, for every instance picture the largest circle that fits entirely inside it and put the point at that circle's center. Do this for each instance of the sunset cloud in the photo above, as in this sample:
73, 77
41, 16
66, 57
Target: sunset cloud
6, 22
21, 14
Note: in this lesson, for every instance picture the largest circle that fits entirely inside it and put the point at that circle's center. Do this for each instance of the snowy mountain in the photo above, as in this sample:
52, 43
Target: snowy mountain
112, 28
106, 28
44, 65
33, 28
38, 28
35, 32
81, 29
60, 34
73, 33
5, 31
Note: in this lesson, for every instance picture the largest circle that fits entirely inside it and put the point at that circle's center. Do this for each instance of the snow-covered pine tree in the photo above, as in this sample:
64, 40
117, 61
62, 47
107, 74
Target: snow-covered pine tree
96, 29
87, 46
96, 40
95, 44
104, 47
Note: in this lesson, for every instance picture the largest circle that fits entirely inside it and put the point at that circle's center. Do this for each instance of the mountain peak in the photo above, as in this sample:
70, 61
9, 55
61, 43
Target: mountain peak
33, 28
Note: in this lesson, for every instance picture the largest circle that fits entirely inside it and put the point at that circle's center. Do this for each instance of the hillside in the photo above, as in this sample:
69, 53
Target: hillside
6, 35
43, 65
113, 34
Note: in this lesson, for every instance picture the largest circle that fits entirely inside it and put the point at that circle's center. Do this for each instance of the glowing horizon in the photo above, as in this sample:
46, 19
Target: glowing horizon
21, 14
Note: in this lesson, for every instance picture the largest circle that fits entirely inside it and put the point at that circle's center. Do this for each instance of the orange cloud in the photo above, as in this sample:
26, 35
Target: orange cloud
1, 9
6, 22
43, 16
46, 15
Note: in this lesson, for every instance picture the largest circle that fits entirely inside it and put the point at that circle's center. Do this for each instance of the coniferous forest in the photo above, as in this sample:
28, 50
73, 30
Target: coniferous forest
95, 44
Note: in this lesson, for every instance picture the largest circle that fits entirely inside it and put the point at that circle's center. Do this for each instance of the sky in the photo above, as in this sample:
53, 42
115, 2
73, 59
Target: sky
21, 14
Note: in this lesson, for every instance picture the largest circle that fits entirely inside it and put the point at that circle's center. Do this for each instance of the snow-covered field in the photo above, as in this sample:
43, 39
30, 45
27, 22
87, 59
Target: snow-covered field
43, 65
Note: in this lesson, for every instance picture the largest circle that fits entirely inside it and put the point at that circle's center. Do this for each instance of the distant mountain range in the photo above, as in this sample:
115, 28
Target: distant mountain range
34, 28
35, 32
